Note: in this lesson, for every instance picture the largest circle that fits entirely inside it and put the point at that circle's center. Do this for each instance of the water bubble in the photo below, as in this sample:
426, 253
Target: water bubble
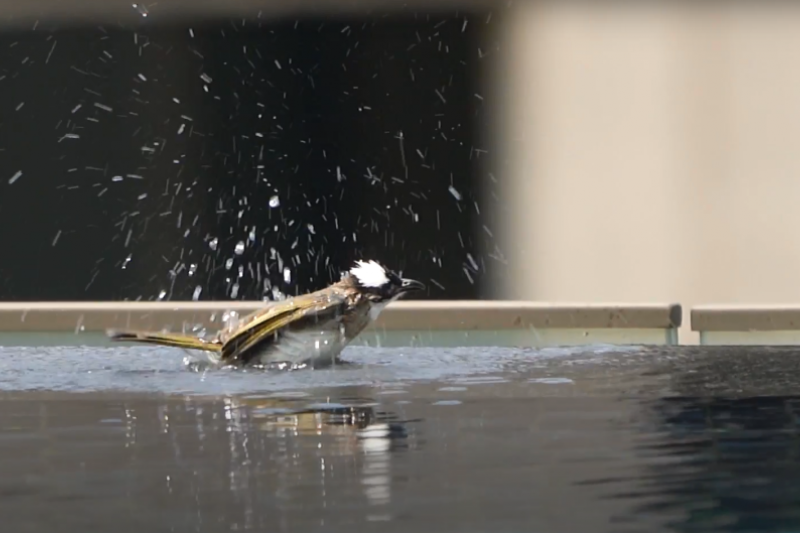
161, 295
17, 175
229, 263
196, 294
192, 269
239, 249
235, 290
213, 243
287, 275
311, 229
274, 201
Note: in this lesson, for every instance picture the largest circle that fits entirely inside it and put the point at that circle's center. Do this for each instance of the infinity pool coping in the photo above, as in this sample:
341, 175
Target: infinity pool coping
745, 317
460, 315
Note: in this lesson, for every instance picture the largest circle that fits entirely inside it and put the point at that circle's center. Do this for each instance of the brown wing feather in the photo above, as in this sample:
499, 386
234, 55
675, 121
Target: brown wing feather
261, 327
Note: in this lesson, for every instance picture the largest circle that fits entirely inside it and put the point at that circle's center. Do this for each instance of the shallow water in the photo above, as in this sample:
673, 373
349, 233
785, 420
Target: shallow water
584, 439
156, 369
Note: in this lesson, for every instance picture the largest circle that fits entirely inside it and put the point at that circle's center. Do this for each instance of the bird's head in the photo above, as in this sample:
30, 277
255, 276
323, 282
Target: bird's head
380, 284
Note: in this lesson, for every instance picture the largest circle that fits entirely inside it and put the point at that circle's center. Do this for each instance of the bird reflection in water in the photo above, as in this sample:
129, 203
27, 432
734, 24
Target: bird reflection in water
288, 452
376, 441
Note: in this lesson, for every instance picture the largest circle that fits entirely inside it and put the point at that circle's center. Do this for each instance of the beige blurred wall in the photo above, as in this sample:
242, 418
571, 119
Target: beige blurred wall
652, 152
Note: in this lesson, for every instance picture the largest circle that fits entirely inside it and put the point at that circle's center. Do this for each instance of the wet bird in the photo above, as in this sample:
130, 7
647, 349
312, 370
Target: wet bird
311, 329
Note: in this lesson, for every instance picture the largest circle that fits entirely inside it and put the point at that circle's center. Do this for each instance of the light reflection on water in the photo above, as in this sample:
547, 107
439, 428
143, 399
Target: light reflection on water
578, 441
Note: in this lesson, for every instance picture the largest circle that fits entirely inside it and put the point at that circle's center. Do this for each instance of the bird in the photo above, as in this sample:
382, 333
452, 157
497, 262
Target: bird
307, 330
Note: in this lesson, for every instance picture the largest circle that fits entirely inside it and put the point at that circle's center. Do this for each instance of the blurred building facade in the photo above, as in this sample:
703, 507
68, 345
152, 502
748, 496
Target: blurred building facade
652, 152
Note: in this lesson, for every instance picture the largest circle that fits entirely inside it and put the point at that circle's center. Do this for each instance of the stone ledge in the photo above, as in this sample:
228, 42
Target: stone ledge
745, 318
433, 315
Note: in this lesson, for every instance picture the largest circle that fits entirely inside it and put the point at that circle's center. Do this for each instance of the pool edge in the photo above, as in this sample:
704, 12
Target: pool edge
519, 320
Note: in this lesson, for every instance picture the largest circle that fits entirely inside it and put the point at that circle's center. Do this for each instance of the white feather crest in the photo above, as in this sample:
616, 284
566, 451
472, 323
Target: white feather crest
370, 274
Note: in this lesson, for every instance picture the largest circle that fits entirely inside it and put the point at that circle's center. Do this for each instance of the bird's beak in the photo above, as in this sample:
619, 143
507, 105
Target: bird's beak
412, 285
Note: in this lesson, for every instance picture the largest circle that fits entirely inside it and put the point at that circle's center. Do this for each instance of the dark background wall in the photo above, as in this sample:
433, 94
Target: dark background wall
139, 145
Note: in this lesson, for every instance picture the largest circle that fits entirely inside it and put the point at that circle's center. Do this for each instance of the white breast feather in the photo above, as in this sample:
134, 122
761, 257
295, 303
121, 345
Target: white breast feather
375, 310
319, 347
323, 344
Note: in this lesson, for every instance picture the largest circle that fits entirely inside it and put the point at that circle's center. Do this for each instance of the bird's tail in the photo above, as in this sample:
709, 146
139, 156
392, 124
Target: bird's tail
165, 339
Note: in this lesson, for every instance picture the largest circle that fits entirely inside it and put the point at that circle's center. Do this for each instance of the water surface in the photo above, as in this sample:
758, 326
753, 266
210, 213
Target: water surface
585, 439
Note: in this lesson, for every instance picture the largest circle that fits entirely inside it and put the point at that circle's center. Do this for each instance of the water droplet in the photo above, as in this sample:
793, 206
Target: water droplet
17, 175
197, 291
454, 192
274, 201
161, 295
311, 229
229, 263
287, 275
472, 262
235, 290
239, 249
192, 269
230, 319
213, 243
141, 9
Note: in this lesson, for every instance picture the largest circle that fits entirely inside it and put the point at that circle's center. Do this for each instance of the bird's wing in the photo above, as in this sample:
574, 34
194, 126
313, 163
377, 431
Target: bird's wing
261, 326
